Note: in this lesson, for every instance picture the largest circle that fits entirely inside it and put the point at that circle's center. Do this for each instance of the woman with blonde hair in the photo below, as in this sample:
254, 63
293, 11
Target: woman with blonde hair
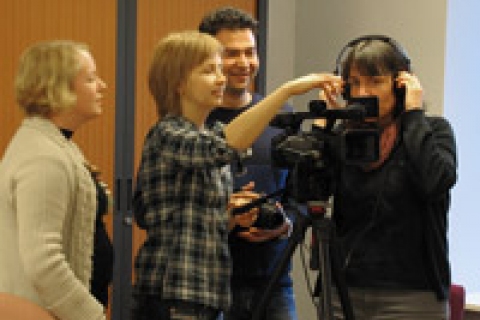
48, 198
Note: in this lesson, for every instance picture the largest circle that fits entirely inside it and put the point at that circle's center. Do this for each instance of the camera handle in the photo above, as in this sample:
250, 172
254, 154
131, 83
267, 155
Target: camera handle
328, 262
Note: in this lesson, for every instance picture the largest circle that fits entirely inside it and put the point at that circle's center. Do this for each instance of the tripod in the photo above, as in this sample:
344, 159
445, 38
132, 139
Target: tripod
323, 253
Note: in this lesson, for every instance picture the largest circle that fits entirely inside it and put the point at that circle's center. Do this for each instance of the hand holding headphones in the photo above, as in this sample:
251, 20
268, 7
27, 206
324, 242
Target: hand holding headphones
413, 90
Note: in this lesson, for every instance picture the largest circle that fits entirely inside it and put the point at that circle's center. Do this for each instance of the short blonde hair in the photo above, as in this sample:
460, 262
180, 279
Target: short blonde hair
44, 80
175, 56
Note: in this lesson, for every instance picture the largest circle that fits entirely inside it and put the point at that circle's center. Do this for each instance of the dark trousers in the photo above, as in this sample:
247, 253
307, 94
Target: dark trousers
385, 304
150, 307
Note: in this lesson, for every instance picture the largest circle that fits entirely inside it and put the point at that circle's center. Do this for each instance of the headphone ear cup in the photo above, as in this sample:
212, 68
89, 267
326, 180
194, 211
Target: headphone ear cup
400, 93
346, 92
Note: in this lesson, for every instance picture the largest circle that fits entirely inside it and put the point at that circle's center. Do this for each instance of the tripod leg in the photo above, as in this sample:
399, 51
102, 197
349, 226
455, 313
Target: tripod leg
339, 279
330, 269
321, 232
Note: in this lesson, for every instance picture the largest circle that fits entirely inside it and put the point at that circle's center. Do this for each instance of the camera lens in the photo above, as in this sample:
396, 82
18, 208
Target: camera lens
269, 216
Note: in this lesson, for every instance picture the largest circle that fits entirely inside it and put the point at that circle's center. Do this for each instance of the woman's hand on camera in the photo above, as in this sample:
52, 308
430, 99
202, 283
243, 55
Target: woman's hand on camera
326, 81
330, 98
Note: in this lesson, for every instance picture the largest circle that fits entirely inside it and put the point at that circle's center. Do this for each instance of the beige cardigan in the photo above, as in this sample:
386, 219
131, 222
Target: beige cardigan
47, 214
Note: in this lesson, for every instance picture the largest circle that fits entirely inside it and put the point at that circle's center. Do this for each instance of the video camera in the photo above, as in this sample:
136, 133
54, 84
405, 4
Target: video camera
313, 157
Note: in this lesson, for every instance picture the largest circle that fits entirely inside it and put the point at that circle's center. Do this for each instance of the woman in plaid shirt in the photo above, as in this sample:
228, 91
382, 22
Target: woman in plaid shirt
184, 183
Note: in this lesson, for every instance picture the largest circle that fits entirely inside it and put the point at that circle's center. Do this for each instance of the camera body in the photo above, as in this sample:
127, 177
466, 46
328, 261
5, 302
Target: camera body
313, 157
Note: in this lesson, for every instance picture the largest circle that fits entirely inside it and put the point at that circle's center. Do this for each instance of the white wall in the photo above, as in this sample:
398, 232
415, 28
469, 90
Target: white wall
323, 27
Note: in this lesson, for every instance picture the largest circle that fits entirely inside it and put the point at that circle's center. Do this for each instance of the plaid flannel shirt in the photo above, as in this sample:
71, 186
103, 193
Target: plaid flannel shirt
183, 186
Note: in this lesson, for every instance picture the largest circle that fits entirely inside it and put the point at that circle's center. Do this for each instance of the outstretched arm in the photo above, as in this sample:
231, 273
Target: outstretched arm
244, 129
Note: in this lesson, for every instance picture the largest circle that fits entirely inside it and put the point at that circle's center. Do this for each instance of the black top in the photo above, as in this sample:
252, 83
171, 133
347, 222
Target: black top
392, 221
102, 259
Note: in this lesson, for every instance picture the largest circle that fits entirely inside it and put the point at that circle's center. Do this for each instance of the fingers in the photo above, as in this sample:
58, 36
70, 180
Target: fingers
408, 80
257, 235
333, 87
249, 186
247, 219
331, 99
331, 96
330, 84
414, 90
326, 81
331, 90
243, 196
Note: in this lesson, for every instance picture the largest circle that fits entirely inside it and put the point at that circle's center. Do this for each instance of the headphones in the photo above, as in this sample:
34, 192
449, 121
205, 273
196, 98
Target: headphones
402, 54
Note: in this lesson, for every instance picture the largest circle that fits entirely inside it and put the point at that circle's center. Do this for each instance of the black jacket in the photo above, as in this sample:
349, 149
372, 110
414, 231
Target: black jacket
392, 222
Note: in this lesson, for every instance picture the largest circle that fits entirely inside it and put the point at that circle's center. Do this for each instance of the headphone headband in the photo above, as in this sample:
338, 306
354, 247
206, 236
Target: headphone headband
394, 44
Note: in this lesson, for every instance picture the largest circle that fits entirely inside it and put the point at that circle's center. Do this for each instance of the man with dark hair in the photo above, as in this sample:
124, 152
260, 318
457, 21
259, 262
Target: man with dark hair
255, 251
